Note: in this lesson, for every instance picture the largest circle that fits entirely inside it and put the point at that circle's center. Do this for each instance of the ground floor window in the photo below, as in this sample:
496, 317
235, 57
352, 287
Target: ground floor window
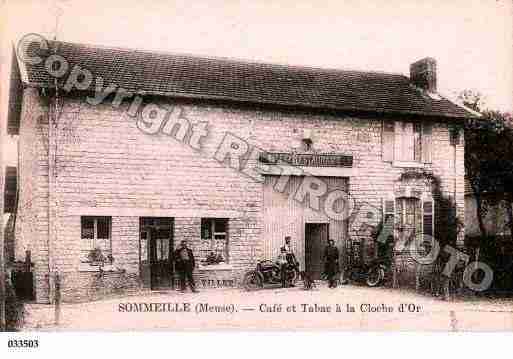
409, 219
96, 245
214, 238
413, 218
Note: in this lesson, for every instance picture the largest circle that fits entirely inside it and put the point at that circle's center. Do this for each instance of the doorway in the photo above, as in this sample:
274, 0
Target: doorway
316, 238
155, 251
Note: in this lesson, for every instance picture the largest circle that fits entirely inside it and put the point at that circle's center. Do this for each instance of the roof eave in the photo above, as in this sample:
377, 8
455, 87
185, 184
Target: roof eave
286, 104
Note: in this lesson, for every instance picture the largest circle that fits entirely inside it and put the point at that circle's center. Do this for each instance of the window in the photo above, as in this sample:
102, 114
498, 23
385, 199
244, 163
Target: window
412, 218
307, 144
454, 135
408, 141
408, 211
96, 234
214, 235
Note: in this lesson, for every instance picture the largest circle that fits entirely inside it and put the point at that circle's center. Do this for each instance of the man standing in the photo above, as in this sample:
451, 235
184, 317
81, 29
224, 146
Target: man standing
291, 258
331, 263
184, 260
283, 264
287, 247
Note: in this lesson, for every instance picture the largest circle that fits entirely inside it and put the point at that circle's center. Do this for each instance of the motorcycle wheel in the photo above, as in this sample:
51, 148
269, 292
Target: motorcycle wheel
375, 276
252, 281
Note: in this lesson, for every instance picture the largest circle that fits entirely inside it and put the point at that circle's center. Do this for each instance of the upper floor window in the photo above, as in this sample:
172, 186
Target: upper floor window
95, 238
407, 142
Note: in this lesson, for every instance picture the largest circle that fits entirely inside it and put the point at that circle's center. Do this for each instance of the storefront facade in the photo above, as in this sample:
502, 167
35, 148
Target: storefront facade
132, 193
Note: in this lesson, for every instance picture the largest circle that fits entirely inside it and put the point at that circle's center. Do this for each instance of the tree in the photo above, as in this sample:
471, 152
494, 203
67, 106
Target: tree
489, 158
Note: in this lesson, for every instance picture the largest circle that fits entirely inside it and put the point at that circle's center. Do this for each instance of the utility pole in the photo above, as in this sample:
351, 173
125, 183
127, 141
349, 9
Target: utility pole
3, 325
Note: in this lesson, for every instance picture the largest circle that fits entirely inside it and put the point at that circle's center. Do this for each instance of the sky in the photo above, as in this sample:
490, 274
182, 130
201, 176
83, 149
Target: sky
470, 39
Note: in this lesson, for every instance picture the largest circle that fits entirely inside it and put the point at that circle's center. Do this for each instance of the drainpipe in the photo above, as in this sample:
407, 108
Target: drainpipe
455, 172
455, 175
2, 267
51, 193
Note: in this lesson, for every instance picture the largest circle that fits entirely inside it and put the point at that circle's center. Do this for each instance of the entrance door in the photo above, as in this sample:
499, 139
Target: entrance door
316, 238
156, 246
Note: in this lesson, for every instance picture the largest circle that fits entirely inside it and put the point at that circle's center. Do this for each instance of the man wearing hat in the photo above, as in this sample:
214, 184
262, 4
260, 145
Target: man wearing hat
283, 264
291, 258
331, 266
184, 261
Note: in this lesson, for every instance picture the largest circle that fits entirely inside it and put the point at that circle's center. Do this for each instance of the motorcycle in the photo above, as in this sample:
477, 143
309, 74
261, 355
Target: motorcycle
373, 273
269, 273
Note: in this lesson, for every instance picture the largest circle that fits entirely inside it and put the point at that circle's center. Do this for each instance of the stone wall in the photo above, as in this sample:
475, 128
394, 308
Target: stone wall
32, 215
108, 166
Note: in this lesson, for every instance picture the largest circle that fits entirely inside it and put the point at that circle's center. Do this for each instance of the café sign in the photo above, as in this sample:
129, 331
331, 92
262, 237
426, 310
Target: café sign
307, 159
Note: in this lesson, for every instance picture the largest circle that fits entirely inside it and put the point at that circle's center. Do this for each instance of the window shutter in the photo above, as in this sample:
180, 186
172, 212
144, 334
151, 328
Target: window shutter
417, 141
428, 218
387, 136
388, 210
398, 141
427, 130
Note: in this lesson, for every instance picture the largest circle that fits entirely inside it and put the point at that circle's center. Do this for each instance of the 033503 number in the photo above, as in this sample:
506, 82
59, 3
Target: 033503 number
23, 343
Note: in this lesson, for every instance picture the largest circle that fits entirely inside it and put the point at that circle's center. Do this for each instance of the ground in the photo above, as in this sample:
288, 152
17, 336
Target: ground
271, 309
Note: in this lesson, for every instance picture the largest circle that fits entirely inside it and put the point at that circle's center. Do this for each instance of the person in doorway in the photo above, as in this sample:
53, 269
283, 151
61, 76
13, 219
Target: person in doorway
184, 262
331, 263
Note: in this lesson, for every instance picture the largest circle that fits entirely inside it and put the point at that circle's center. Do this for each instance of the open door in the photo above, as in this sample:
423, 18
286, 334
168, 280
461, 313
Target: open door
316, 238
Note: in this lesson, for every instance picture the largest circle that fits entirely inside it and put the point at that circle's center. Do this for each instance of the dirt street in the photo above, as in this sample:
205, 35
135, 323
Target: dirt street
375, 309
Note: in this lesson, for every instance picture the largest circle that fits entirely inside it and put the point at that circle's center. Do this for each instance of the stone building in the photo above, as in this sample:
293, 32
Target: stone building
124, 153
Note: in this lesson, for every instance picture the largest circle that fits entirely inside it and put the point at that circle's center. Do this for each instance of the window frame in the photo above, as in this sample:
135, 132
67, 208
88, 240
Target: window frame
402, 136
93, 241
212, 224
212, 240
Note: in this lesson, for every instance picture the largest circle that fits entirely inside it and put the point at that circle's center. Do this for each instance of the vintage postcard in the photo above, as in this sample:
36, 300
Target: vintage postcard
268, 166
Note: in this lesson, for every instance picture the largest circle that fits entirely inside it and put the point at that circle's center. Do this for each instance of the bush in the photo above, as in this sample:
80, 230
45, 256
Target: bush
14, 309
497, 253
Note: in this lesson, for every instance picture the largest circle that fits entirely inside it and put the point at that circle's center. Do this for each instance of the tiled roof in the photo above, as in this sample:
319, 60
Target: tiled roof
225, 79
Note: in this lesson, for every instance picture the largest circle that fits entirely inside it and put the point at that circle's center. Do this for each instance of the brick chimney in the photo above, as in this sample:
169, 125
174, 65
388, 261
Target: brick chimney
423, 74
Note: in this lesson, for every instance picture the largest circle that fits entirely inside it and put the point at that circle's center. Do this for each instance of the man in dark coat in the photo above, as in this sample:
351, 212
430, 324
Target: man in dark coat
331, 263
283, 264
291, 258
184, 264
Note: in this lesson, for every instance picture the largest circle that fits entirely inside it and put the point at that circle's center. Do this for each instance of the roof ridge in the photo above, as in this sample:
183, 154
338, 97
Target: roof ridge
234, 59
